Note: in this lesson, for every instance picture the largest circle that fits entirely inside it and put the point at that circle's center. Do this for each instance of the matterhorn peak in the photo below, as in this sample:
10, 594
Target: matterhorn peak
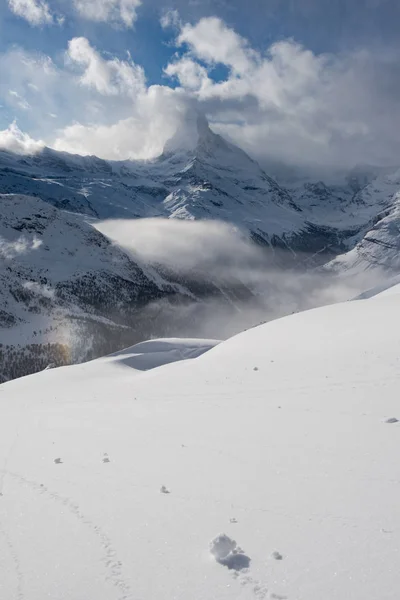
192, 130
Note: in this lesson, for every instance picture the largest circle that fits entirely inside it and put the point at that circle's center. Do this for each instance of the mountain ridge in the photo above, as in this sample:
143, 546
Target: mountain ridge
338, 229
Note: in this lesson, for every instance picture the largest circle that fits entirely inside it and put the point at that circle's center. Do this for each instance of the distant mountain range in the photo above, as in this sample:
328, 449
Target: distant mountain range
67, 294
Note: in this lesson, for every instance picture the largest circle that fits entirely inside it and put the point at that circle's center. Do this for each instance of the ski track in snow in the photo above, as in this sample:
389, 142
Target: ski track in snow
113, 567
19, 591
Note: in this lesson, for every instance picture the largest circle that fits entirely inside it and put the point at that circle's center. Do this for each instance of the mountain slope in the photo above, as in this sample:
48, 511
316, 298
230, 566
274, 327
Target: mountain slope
210, 178
66, 294
376, 246
71, 289
119, 485
202, 176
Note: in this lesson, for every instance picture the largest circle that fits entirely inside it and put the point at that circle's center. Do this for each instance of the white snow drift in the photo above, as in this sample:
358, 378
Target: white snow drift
275, 453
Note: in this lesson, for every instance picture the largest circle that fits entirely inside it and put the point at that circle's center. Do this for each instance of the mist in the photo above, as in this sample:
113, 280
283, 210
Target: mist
248, 286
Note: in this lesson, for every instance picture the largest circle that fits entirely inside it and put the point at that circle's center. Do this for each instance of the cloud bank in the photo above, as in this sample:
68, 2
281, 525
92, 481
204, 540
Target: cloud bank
283, 103
211, 247
215, 252
14, 140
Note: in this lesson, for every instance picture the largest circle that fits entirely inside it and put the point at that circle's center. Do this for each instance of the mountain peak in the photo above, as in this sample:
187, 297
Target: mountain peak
193, 130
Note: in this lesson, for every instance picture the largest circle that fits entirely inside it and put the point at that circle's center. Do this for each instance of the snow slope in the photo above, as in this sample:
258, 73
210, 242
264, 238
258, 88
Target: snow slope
389, 287
155, 353
124, 485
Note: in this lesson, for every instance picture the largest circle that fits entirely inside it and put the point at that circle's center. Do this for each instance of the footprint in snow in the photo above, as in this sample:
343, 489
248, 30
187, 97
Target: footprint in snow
277, 556
106, 458
392, 420
227, 553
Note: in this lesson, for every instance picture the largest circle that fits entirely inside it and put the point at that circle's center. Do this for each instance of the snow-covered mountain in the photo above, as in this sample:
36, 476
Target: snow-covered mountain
202, 176
199, 176
68, 294
377, 244
265, 469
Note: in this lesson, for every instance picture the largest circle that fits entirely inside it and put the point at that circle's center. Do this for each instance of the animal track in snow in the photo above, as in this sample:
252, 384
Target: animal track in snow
260, 591
113, 566
392, 420
19, 592
227, 553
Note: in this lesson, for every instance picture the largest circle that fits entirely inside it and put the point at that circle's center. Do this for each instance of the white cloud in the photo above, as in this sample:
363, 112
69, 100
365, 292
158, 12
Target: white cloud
122, 12
211, 247
283, 104
22, 245
36, 12
156, 115
189, 73
109, 77
170, 19
291, 104
212, 41
14, 140
20, 101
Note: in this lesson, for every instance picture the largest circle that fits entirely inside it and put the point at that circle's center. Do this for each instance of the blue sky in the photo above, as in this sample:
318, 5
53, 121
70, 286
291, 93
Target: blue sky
322, 45
321, 25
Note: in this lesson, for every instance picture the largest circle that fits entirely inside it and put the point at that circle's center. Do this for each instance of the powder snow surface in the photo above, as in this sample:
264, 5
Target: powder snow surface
266, 468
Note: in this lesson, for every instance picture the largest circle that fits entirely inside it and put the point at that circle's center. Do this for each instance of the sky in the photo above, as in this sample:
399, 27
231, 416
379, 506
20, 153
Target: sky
306, 82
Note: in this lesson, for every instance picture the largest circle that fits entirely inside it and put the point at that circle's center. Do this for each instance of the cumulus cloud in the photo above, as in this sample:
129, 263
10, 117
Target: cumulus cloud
14, 140
36, 12
156, 112
190, 74
284, 103
212, 41
109, 77
123, 12
289, 103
